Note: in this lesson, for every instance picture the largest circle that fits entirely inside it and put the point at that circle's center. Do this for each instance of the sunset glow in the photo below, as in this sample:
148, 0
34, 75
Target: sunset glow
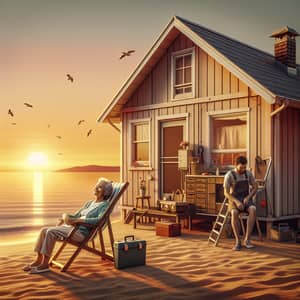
37, 160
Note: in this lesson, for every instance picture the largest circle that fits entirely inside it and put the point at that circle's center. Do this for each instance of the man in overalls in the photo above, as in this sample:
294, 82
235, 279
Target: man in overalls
239, 188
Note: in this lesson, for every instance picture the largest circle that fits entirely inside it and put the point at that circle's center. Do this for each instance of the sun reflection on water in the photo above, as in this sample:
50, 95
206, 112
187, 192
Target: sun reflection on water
38, 198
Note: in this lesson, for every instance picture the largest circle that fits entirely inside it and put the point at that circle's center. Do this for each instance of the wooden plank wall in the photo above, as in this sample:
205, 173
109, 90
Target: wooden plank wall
212, 79
287, 162
198, 134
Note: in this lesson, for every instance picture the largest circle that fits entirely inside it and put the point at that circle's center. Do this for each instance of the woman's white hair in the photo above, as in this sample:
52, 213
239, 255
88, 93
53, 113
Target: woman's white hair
105, 184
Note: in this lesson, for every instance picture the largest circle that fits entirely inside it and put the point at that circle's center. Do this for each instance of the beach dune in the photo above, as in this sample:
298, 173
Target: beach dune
183, 267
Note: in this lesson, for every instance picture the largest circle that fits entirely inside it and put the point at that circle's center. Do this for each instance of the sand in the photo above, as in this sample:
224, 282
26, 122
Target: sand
182, 267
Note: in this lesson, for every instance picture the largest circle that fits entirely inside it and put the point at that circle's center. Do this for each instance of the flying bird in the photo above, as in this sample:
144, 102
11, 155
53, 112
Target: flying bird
80, 121
89, 133
58, 136
10, 112
128, 53
69, 77
60, 153
13, 123
28, 104
49, 125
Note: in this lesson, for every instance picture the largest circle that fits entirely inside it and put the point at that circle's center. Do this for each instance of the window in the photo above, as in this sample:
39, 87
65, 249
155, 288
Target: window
182, 74
140, 144
229, 138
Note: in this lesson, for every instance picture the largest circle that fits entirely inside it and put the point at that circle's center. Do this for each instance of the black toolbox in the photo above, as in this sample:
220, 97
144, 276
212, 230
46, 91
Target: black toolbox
130, 252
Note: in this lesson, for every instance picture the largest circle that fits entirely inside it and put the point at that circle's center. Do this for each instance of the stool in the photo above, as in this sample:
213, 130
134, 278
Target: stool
142, 198
243, 215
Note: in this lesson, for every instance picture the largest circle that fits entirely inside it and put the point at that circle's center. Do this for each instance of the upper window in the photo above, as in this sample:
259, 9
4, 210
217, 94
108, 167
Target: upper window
229, 138
140, 144
182, 74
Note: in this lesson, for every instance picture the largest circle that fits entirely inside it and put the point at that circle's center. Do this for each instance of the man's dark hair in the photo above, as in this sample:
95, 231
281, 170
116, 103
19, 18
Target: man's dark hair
241, 160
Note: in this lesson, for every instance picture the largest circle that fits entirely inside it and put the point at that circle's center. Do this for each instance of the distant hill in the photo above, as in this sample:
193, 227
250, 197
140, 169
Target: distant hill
91, 168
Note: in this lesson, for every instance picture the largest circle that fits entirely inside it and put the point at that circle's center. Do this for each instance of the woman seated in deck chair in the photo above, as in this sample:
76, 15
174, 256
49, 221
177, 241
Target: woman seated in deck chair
90, 213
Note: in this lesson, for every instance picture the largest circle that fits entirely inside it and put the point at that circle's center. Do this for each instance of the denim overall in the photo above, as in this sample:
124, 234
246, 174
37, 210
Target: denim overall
241, 189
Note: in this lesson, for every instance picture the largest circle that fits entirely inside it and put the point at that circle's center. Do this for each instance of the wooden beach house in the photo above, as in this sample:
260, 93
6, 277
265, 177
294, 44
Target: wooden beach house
224, 98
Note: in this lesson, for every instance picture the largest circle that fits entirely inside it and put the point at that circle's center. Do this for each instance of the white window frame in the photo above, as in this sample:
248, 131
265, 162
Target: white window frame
131, 160
173, 76
216, 114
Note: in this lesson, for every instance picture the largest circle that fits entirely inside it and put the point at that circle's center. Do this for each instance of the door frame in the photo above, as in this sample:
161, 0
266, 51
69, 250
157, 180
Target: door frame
159, 120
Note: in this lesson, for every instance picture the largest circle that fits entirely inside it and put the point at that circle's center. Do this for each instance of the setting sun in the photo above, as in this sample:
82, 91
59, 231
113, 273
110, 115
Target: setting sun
37, 160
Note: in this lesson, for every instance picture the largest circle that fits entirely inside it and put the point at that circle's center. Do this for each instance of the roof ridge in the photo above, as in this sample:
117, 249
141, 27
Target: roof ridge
228, 37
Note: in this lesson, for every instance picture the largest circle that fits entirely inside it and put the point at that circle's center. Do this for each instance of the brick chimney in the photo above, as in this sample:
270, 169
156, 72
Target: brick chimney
285, 46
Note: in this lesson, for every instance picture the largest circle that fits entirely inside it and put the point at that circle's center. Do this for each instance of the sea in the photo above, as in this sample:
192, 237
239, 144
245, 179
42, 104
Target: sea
31, 200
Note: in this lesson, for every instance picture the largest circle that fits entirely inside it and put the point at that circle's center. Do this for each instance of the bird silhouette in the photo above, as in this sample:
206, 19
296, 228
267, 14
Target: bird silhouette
60, 153
80, 121
69, 77
89, 133
28, 104
58, 136
10, 112
128, 53
13, 123
49, 126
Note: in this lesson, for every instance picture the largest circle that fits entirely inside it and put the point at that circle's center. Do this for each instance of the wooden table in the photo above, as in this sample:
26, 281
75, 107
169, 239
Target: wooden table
155, 213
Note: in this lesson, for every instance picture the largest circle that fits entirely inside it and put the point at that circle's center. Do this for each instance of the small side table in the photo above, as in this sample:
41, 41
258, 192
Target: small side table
142, 198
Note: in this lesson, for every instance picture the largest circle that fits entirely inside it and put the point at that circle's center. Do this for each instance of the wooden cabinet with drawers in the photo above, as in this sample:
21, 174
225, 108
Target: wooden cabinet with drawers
206, 192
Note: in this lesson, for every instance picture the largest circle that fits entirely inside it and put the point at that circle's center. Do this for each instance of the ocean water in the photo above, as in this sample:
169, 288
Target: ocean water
30, 200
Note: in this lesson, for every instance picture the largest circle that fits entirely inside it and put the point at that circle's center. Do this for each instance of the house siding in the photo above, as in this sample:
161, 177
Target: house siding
287, 162
211, 78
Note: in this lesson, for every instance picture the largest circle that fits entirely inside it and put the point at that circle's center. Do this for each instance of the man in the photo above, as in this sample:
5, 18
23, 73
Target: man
239, 188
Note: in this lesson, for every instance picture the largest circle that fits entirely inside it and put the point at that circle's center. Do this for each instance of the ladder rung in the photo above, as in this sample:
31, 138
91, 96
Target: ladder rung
223, 216
211, 239
219, 223
216, 231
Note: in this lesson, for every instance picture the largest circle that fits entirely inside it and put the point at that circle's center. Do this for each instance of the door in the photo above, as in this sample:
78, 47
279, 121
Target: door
171, 134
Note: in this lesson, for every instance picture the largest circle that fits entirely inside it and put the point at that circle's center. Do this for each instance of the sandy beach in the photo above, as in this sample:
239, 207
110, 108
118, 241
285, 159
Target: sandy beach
182, 267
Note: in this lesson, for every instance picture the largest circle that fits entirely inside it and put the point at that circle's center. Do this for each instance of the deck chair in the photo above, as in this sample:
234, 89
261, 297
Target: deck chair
118, 190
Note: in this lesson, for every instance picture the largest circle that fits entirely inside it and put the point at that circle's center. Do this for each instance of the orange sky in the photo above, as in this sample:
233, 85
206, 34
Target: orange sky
41, 41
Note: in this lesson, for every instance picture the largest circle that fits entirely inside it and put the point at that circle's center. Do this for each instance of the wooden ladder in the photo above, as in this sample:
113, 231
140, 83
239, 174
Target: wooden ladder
218, 226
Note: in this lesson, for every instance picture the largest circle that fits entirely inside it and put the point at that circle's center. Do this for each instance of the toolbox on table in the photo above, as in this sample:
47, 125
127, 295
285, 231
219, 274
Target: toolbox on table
173, 206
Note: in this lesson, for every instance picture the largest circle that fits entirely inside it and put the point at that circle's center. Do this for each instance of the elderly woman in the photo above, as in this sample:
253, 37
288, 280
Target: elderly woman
90, 213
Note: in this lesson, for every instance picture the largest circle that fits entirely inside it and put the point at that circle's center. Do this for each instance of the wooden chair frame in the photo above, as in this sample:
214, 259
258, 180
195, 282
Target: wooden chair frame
243, 215
93, 230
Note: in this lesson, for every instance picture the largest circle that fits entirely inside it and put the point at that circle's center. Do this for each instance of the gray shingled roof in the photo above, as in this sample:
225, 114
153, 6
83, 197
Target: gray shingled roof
258, 64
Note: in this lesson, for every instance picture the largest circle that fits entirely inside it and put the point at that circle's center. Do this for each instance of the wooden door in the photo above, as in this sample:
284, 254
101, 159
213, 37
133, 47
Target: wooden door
171, 134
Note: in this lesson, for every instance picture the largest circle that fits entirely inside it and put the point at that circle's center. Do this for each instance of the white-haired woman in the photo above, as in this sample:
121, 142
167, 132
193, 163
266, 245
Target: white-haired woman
90, 213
